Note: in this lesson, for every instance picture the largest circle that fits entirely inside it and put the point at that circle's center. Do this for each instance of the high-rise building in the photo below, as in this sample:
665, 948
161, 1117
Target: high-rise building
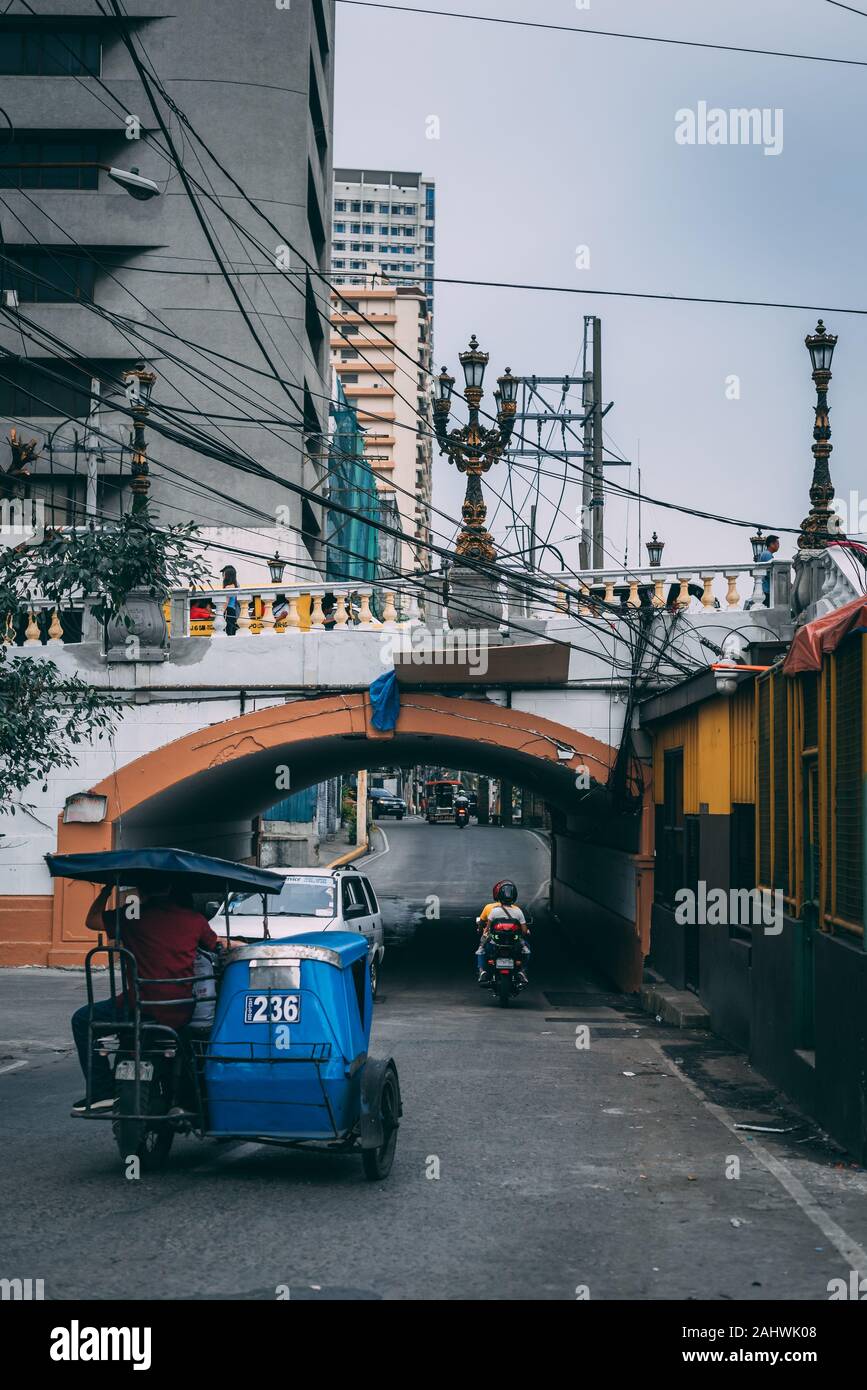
381, 351
256, 82
385, 219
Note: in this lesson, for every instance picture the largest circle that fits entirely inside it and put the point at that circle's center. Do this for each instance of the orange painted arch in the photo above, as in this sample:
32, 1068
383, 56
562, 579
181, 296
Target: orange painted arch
232, 760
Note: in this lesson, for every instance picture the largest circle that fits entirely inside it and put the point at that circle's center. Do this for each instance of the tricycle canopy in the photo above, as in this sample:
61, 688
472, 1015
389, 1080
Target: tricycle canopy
147, 867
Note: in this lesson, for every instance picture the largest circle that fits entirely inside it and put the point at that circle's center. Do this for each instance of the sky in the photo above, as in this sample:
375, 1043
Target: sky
548, 142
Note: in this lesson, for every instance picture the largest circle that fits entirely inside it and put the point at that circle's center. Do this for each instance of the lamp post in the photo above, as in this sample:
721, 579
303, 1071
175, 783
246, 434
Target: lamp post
815, 531
139, 385
759, 544
276, 568
474, 449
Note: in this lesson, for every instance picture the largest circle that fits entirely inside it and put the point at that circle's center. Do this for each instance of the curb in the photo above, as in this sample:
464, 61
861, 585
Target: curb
351, 854
676, 1007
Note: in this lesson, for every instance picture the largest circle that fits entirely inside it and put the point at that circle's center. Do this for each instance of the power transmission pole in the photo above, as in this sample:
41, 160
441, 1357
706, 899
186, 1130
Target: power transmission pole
598, 500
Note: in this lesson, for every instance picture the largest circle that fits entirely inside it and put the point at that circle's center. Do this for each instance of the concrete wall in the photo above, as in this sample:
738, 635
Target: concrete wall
593, 892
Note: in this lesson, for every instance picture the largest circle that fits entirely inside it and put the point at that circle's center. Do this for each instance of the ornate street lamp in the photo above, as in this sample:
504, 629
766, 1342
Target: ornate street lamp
139, 383
759, 544
474, 449
816, 529
655, 548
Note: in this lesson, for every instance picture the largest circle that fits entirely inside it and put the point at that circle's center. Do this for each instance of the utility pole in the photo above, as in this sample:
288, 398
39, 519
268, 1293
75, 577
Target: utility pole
597, 502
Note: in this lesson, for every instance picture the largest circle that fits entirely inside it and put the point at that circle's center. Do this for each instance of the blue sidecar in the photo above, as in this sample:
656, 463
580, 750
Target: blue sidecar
287, 1058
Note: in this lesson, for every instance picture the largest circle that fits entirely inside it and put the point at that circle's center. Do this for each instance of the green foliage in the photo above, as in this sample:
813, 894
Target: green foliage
45, 716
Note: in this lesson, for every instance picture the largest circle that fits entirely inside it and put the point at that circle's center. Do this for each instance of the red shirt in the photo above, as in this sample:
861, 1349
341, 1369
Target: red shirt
164, 942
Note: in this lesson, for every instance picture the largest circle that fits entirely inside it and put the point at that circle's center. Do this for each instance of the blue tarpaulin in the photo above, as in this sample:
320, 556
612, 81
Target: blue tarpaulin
385, 699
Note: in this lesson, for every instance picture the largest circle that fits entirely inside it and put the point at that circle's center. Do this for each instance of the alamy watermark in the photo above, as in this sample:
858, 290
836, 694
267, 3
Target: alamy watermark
22, 520
421, 647
730, 907
713, 125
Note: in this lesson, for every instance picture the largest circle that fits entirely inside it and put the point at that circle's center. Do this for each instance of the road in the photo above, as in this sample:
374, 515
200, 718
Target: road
527, 1167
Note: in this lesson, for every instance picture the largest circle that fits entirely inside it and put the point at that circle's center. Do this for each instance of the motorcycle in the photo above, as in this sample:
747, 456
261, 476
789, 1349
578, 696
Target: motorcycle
504, 960
462, 817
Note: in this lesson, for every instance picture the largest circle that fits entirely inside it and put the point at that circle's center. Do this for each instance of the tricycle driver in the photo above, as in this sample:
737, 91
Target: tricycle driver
163, 932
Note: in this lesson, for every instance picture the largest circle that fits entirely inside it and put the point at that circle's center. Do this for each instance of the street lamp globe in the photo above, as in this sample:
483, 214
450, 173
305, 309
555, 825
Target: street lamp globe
276, 568
444, 385
655, 548
820, 346
508, 385
474, 363
758, 542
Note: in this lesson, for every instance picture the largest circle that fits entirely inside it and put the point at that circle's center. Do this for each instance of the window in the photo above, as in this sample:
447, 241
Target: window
338, 265
346, 354
371, 896
314, 216
340, 206
340, 227
429, 203
355, 207
48, 277
340, 246
350, 378
395, 208
367, 229
49, 53
355, 228
383, 231
368, 207
314, 106
429, 234
54, 386
49, 150
384, 209
354, 901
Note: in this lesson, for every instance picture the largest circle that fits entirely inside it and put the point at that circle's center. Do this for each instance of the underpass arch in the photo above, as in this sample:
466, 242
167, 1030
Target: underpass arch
168, 795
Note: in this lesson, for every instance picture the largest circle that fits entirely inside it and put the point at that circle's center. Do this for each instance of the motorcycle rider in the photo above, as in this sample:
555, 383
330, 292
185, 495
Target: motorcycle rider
504, 908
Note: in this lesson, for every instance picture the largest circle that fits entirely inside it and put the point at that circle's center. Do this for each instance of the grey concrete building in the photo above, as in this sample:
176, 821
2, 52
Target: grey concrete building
256, 82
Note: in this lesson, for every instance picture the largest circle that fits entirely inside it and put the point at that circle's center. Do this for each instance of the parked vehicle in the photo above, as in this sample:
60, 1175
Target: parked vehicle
314, 900
385, 803
286, 1060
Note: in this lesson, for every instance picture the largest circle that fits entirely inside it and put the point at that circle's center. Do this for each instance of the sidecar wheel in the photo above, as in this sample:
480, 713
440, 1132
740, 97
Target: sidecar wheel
377, 1162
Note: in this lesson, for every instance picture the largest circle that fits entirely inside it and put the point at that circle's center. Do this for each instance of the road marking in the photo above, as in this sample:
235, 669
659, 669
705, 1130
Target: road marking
854, 1254
369, 858
12, 1066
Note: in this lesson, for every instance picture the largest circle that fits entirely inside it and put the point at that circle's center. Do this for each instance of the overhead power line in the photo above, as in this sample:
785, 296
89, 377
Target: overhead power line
608, 33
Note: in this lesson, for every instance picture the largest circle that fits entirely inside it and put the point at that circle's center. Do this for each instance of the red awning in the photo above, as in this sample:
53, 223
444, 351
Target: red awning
824, 635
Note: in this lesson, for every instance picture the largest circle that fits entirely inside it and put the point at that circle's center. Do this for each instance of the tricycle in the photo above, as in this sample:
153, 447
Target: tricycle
284, 1060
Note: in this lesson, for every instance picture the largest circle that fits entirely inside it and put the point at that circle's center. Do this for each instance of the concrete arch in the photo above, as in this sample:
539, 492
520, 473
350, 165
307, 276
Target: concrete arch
156, 798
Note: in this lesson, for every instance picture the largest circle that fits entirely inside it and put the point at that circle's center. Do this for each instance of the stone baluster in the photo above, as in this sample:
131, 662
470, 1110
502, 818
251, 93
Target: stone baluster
268, 621
411, 608
245, 620
341, 617
584, 605
220, 601
658, 599
733, 598
707, 598
31, 632
608, 596
389, 612
757, 597
317, 617
633, 601
293, 617
365, 617
55, 627
683, 598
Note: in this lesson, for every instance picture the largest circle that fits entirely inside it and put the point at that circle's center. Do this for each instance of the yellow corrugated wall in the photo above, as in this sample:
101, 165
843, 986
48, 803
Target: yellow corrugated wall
679, 733
743, 744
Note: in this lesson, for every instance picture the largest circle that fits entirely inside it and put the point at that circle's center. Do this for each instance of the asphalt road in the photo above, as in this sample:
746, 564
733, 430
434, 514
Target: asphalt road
526, 1168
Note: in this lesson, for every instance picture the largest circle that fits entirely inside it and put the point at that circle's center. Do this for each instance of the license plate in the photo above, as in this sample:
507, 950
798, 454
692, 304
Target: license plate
125, 1071
272, 1008
504, 964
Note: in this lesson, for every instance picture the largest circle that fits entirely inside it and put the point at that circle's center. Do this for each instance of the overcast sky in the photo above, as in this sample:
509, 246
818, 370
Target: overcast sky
551, 141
